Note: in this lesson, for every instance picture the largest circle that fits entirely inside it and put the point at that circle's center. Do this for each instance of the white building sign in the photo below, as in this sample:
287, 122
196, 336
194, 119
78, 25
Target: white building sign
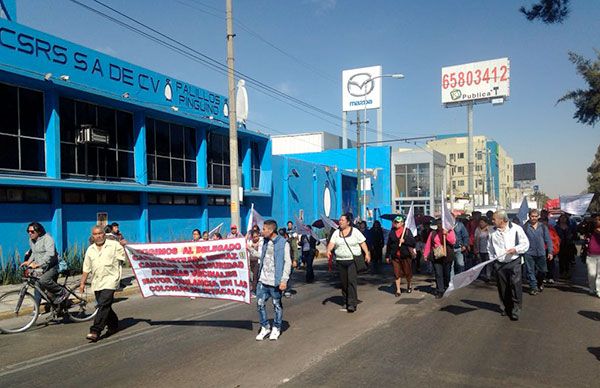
477, 81
359, 88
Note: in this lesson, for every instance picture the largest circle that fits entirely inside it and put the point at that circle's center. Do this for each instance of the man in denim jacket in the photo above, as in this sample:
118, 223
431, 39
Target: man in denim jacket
274, 272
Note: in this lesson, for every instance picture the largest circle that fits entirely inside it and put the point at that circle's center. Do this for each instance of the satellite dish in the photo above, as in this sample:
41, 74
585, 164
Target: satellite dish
241, 102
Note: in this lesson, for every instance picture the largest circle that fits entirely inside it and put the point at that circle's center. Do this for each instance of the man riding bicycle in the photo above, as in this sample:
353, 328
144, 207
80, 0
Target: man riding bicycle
42, 255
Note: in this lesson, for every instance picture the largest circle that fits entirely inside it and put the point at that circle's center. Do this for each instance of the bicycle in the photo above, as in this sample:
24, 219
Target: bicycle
19, 309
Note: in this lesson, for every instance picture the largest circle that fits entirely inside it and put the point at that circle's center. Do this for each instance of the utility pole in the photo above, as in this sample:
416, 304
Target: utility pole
233, 141
470, 152
358, 170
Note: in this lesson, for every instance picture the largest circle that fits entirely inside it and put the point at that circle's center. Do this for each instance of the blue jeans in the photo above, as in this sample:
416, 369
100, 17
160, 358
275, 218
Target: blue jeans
536, 268
459, 262
263, 293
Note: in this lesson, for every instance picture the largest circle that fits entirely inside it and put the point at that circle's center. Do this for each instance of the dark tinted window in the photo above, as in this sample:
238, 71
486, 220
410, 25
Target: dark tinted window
22, 129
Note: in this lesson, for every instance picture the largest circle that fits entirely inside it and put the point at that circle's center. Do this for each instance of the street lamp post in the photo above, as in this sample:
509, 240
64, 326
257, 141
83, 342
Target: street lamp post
363, 209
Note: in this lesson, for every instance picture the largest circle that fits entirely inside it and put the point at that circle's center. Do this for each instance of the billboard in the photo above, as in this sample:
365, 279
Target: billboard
361, 88
476, 82
524, 172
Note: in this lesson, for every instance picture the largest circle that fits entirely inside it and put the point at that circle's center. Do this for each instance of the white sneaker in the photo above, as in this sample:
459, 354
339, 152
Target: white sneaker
264, 331
275, 333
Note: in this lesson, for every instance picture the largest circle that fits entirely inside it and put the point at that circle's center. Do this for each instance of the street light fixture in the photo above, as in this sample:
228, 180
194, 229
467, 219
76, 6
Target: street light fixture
362, 207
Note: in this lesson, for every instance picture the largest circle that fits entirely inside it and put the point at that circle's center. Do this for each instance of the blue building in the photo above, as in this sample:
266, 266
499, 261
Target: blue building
88, 138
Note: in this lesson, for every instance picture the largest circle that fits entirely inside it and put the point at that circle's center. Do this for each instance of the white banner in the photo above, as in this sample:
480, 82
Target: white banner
576, 204
463, 279
447, 217
410, 220
208, 269
484, 80
360, 88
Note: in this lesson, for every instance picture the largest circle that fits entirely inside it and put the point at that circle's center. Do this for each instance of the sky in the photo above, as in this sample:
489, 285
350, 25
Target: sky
301, 47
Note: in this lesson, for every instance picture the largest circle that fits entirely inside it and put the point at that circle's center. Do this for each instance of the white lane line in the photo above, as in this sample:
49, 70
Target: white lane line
14, 368
223, 305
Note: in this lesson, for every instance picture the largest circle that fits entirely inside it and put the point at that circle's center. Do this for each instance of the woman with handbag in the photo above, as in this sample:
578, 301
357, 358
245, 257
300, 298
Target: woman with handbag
349, 244
439, 249
399, 250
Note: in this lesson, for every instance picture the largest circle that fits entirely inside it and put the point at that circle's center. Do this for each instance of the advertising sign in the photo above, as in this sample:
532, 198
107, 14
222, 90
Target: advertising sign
361, 87
36, 54
215, 269
476, 81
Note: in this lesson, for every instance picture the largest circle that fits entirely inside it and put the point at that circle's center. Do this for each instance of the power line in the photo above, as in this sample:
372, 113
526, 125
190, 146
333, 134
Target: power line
212, 63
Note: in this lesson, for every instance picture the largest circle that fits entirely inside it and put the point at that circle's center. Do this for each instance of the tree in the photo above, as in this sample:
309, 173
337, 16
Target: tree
549, 11
594, 182
586, 101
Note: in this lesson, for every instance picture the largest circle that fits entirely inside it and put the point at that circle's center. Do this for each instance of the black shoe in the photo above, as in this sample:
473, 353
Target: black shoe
438, 296
351, 309
533, 292
503, 313
514, 317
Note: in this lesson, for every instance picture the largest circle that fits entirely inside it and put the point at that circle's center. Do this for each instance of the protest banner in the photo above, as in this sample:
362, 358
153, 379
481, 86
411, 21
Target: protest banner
576, 204
208, 269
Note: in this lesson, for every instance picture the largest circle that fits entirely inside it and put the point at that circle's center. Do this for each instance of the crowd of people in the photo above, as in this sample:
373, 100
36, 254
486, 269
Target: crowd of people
526, 251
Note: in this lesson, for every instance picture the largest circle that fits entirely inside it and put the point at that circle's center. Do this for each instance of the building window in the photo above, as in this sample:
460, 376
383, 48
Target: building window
112, 161
461, 183
100, 197
479, 155
218, 160
219, 201
256, 159
412, 180
25, 195
171, 152
453, 185
479, 168
461, 170
168, 199
22, 130
452, 157
461, 155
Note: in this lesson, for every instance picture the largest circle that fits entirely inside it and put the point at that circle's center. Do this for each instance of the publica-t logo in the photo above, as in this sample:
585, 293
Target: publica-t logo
455, 94
359, 85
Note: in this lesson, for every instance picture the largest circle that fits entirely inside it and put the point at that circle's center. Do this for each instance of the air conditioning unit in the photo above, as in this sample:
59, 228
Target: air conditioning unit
90, 135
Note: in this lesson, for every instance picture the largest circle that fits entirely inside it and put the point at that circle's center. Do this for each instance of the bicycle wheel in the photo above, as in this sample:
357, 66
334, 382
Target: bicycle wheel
81, 310
17, 312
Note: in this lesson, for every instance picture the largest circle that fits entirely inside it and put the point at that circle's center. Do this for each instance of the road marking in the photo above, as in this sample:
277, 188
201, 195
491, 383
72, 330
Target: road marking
14, 368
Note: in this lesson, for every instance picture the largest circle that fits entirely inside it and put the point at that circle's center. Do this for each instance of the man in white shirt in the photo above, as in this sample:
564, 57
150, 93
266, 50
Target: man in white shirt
506, 244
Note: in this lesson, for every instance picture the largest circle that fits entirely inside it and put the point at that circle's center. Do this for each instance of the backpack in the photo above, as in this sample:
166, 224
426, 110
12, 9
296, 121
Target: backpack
555, 241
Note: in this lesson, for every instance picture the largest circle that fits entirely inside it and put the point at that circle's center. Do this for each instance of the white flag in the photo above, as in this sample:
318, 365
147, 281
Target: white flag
217, 229
463, 279
328, 222
447, 217
254, 219
410, 220
301, 228
250, 219
523, 211
575, 204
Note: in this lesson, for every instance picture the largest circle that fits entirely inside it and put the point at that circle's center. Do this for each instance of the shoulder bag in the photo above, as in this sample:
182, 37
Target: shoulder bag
359, 260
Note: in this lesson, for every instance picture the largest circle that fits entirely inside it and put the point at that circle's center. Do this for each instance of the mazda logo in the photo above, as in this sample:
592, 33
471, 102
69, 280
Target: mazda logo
355, 85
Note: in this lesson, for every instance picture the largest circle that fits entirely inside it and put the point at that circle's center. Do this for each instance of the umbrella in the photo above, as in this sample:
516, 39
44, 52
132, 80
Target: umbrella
319, 224
421, 219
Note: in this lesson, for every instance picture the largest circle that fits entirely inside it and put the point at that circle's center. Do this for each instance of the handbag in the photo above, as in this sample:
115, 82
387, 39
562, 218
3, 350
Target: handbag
439, 253
359, 260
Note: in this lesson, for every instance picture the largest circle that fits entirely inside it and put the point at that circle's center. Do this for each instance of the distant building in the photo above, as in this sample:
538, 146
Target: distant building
301, 143
417, 177
492, 168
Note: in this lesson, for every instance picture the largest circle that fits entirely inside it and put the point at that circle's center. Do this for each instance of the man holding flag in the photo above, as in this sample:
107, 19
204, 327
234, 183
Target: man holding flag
506, 245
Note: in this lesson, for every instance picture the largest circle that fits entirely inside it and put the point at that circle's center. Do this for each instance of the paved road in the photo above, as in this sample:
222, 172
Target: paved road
413, 340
